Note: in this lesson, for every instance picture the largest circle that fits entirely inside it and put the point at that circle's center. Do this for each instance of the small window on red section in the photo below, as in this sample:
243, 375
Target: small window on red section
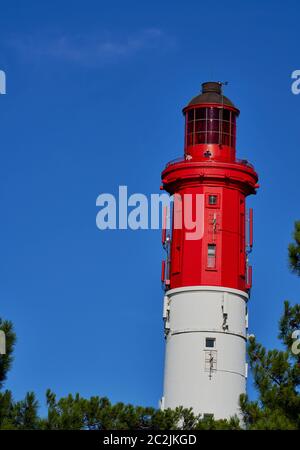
211, 256
212, 200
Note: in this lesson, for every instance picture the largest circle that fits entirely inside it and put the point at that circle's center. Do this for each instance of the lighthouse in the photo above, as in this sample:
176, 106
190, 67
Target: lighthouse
207, 278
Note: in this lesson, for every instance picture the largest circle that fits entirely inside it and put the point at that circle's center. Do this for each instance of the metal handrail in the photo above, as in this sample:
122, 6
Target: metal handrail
176, 160
245, 162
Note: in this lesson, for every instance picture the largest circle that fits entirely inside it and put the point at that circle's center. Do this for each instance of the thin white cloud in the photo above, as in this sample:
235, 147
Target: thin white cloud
89, 49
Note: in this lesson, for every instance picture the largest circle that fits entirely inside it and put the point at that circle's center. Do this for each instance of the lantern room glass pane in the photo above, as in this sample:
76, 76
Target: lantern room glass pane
201, 113
233, 128
190, 127
226, 127
226, 114
213, 137
211, 125
200, 138
226, 139
191, 115
200, 125
213, 113
190, 139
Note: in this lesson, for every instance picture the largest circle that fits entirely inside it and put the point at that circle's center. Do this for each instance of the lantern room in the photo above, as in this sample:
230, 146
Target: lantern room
210, 125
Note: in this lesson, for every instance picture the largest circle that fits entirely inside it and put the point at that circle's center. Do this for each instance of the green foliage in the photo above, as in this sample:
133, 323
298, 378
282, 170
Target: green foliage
289, 322
277, 372
6, 411
20, 415
99, 414
6, 360
276, 376
25, 415
96, 413
294, 250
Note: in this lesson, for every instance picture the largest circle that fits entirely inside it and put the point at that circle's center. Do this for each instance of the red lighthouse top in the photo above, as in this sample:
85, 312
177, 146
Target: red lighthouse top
210, 169
210, 125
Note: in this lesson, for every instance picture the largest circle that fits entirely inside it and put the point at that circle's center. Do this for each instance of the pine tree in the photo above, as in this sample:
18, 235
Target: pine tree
294, 250
277, 372
25, 413
6, 402
7, 359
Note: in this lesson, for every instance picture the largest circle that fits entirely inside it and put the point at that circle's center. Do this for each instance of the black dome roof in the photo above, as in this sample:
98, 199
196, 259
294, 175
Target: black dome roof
211, 93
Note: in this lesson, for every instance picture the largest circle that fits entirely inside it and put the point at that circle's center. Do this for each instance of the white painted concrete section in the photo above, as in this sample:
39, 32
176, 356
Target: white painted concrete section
208, 379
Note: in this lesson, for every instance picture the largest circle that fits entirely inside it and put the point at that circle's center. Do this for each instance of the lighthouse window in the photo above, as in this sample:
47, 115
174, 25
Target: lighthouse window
210, 126
212, 199
210, 342
211, 256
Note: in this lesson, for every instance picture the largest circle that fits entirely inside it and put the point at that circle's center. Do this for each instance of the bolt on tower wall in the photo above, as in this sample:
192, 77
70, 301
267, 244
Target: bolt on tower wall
208, 279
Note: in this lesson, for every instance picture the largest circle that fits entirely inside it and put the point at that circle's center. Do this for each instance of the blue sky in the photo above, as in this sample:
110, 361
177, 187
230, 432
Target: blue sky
94, 97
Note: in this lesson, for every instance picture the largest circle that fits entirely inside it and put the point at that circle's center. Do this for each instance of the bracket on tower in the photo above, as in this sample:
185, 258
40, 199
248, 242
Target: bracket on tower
166, 241
166, 315
250, 231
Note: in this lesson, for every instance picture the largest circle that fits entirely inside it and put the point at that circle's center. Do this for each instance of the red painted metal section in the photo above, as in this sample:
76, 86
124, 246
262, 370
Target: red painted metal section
210, 170
250, 227
164, 226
